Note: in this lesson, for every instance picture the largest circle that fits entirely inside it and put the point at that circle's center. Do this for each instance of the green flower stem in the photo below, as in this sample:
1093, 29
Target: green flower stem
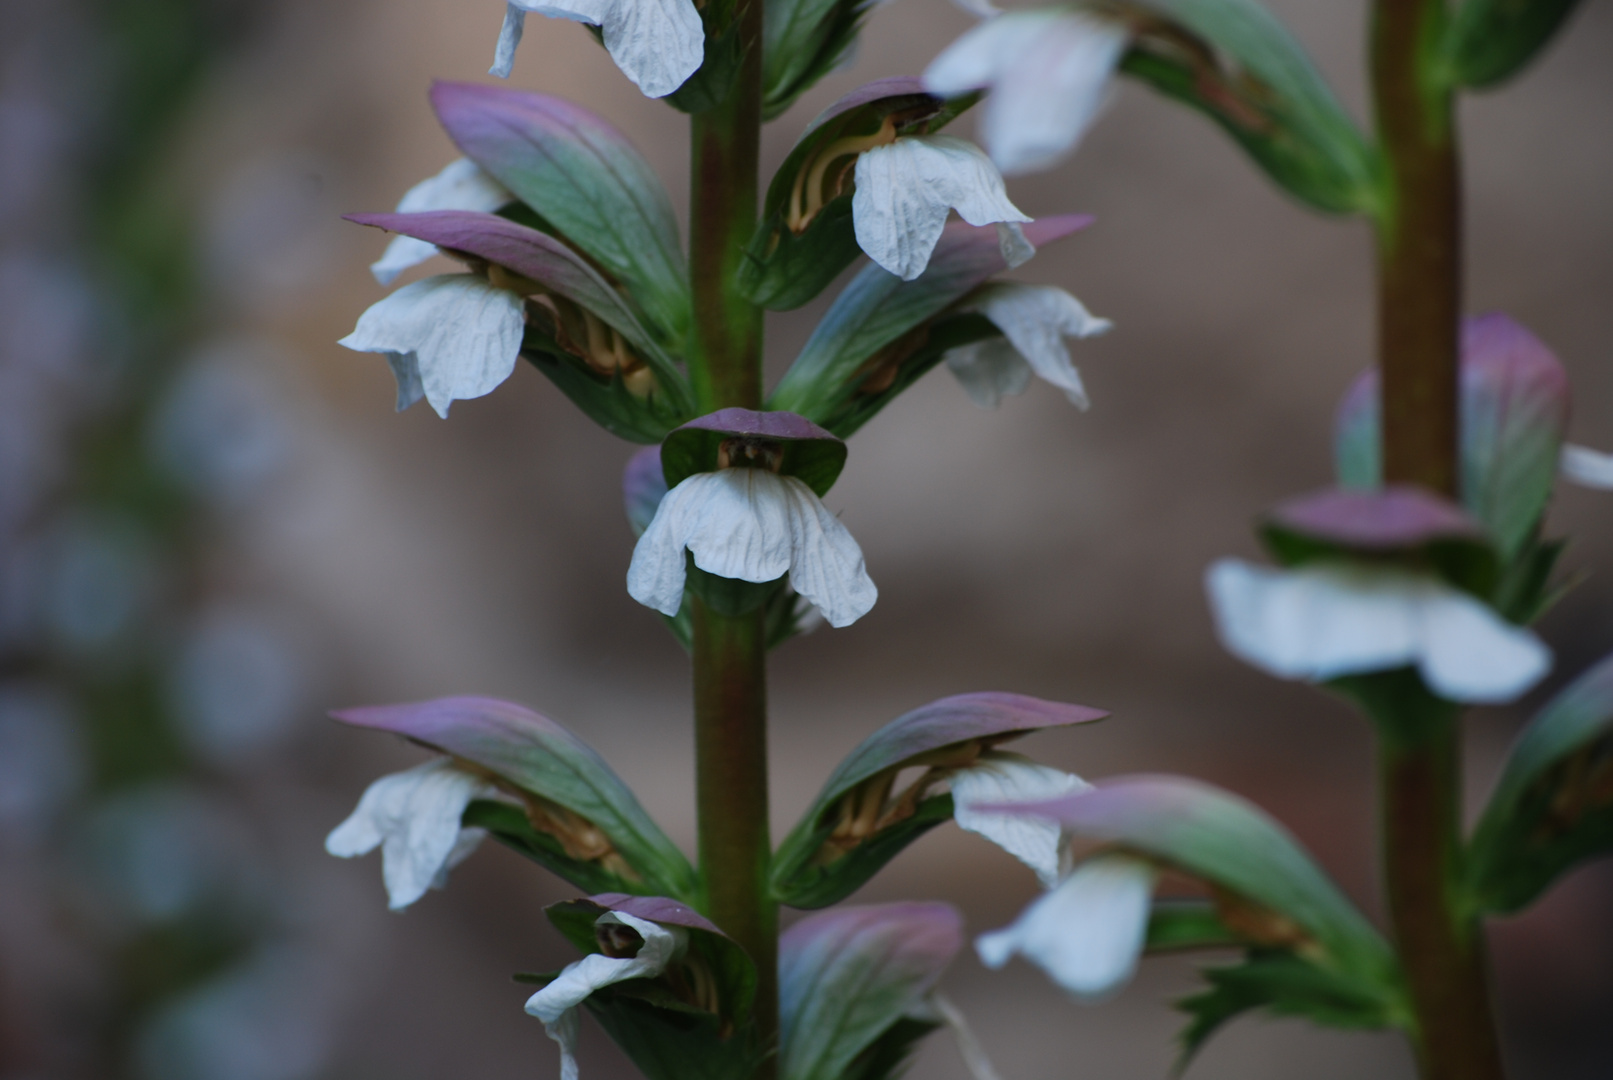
730, 653
1419, 306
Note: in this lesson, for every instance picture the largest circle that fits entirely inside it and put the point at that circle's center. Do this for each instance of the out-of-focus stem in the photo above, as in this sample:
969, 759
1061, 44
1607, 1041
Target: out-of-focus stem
1419, 303
729, 651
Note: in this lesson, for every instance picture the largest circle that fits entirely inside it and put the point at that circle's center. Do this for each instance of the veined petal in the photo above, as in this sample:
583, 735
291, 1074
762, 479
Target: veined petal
657, 44
461, 185
1036, 319
1016, 247
989, 370
509, 37
413, 816
1323, 621
751, 525
406, 371
905, 189
556, 1004
826, 565
1002, 777
465, 334
1587, 467
1087, 933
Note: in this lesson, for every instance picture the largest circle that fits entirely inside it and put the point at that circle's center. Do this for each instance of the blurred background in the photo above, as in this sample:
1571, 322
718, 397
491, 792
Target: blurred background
213, 528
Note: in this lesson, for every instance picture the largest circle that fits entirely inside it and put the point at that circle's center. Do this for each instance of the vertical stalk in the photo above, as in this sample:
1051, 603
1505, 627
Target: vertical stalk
729, 651
1419, 302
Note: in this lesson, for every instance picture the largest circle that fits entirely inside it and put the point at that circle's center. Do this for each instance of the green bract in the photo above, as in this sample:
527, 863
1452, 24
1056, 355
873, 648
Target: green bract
805, 238
1553, 806
1233, 61
1489, 41
802, 41
577, 817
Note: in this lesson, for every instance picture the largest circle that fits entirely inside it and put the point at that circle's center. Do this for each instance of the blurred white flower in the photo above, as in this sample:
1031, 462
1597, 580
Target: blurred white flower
226, 426
657, 44
1325, 620
1034, 320
461, 185
413, 817
905, 189
751, 524
238, 685
556, 1004
1002, 777
447, 338
1048, 72
1587, 467
1088, 932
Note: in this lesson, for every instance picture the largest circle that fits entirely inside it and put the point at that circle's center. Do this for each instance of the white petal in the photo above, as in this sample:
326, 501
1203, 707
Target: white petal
413, 817
1471, 654
406, 371
1047, 96
751, 525
1016, 248
582, 977
826, 565
989, 370
1087, 933
509, 36
563, 1030
465, 334
657, 44
978, 59
461, 185
982, 9
1327, 620
969, 1048
1587, 467
905, 189
1000, 777
1036, 319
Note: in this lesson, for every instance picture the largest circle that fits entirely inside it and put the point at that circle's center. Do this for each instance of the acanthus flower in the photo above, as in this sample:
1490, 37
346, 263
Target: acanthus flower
414, 818
1034, 320
657, 44
997, 777
1048, 72
461, 185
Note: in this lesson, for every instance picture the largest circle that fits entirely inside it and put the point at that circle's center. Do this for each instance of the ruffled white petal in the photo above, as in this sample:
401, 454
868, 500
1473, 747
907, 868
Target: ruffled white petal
1036, 319
1326, 620
657, 44
1001, 777
751, 525
904, 190
1587, 467
1087, 933
406, 371
1049, 72
462, 185
413, 816
464, 333
989, 370
556, 1004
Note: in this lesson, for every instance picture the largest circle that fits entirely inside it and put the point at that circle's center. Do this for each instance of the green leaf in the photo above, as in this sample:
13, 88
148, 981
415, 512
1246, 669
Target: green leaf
580, 173
1187, 924
1489, 41
1553, 806
1234, 62
878, 309
805, 450
605, 399
847, 977
806, 236
708, 87
1286, 985
570, 792
511, 827
802, 41
905, 362
859, 822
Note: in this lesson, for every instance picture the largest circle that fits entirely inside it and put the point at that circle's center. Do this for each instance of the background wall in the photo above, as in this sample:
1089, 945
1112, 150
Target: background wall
1036, 549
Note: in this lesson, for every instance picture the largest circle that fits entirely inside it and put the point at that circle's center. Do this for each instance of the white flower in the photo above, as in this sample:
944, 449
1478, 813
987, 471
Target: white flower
658, 44
447, 337
556, 1004
413, 817
1048, 71
905, 188
1034, 320
1001, 777
753, 525
1325, 620
1088, 932
462, 185
1587, 467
